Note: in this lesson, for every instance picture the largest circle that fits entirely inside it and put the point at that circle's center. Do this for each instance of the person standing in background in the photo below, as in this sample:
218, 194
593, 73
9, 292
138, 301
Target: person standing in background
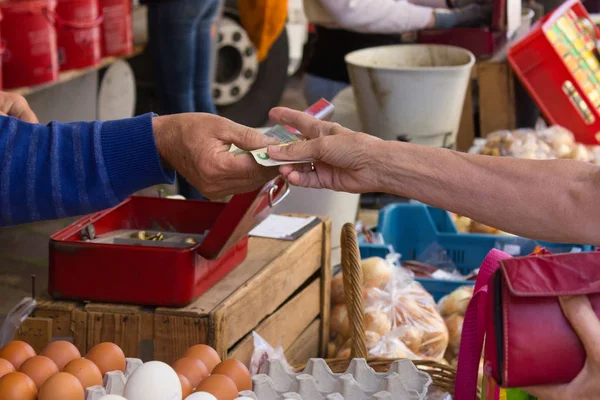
344, 26
181, 39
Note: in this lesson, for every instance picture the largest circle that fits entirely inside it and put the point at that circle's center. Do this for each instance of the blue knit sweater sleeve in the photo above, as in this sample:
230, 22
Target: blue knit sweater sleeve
68, 169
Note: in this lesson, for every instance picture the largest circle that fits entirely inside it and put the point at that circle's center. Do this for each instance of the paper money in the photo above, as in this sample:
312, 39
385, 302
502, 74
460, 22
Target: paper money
279, 132
261, 157
286, 135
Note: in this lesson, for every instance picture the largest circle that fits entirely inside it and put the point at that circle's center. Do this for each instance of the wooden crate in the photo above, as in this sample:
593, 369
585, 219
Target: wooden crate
280, 291
495, 84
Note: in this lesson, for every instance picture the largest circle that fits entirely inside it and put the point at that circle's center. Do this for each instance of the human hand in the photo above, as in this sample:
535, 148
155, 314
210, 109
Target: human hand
197, 146
15, 105
586, 386
345, 160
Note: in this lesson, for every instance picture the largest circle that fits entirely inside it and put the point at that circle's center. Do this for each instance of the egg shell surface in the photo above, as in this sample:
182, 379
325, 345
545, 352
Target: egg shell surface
201, 396
192, 368
39, 369
112, 397
17, 386
5, 367
61, 352
107, 357
220, 386
153, 380
61, 386
237, 372
85, 371
206, 354
16, 352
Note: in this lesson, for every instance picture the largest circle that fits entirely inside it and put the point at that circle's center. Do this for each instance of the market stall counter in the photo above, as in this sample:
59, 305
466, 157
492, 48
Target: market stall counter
280, 291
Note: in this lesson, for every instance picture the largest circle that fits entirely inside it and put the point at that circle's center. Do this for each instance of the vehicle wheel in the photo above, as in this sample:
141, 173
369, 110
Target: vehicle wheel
245, 90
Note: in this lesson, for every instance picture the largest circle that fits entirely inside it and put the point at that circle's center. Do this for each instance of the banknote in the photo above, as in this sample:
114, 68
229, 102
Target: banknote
261, 157
286, 135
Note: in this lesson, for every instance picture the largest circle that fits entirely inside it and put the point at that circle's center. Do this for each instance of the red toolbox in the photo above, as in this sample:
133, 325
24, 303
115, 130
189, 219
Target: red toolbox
483, 41
101, 257
559, 65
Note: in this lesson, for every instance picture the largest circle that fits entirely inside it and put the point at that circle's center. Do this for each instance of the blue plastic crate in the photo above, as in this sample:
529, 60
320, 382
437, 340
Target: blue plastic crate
411, 229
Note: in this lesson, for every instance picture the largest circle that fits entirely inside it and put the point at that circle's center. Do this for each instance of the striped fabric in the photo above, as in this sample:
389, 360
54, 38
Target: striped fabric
67, 169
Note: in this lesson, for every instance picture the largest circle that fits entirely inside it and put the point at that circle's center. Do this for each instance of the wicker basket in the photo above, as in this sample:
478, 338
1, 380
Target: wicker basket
443, 376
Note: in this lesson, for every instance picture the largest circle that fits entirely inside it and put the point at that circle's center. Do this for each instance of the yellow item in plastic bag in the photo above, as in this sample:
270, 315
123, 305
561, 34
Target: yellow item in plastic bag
264, 20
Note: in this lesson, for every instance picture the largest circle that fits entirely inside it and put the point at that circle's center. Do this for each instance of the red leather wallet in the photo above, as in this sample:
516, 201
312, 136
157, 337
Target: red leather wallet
528, 340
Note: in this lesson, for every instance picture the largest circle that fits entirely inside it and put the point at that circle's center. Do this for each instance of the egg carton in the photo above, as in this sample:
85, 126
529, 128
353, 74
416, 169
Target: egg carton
403, 381
114, 381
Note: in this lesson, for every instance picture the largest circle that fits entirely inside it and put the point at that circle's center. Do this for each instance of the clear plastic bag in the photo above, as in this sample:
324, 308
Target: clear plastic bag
263, 351
524, 143
405, 315
436, 256
15, 319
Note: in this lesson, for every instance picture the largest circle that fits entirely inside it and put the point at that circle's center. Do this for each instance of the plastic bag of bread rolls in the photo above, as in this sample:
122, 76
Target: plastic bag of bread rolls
456, 302
404, 312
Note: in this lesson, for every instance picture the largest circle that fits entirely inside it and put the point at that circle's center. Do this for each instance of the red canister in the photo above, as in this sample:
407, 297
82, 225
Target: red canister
117, 27
78, 31
29, 38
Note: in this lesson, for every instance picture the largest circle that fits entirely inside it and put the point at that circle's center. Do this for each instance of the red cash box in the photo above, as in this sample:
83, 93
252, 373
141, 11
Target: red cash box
100, 258
558, 64
483, 42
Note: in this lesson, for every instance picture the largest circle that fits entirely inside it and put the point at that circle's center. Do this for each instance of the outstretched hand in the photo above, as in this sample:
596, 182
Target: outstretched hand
197, 146
344, 160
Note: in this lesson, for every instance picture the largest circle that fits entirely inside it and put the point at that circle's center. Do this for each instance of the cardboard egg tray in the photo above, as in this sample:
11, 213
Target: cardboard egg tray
403, 381
114, 382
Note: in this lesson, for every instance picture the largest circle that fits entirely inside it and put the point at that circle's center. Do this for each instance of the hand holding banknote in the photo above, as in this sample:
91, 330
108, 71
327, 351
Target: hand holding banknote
341, 164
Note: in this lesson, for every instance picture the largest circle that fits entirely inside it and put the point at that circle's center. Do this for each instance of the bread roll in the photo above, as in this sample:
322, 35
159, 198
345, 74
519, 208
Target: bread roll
376, 272
378, 322
337, 289
339, 322
456, 302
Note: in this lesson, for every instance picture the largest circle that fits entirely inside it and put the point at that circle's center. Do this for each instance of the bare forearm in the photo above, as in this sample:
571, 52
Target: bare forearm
545, 200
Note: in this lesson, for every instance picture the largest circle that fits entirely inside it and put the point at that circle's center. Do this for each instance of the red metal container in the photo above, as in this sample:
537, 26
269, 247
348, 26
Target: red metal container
78, 29
28, 33
558, 63
117, 27
482, 42
82, 269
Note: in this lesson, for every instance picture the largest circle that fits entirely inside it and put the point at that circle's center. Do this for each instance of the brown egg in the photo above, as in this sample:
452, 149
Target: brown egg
206, 354
17, 386
61, 386
85, 371
237, 372
186, 386
192, 368
219, 386
39, 368
61, 352
16, 352
5, 367
108, 357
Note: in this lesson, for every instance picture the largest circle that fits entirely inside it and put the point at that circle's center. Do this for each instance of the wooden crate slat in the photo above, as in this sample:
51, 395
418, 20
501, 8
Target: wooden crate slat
173, 335
285, 325
325, 287
271, 287
306, 346
121, 329
35, 331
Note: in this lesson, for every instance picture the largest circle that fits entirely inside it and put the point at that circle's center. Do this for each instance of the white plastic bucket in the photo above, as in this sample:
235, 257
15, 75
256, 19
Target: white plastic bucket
527, 15
413, 92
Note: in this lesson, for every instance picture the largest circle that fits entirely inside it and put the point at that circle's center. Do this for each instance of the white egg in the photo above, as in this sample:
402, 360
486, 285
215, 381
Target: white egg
112, 397
201, 396
153, 380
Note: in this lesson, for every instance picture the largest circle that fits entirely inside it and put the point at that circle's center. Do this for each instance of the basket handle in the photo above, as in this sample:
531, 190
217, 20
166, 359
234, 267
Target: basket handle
352, 274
